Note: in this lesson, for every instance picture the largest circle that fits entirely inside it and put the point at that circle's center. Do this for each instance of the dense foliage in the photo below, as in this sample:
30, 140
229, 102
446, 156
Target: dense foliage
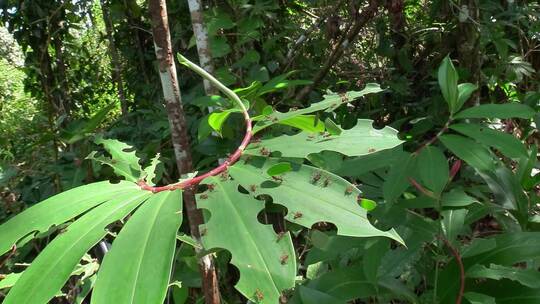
394, 156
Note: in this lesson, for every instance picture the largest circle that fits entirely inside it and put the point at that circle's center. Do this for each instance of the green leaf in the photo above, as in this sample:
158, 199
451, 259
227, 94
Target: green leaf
361, 165
468, 150
53, 266
507, 191
124, 160
456, 197
279, 168
465, 91
311, 195
433, 169
312, 296
149, 240
309, 123
373, 255
478, 298
216, 119
150, 172
360, 140
330, 102
331, 127
506, 143
59, 209
510, 248
448, 82
397, 180
9, 280
452, 223
266, 261
77, 132
527, 277
506, 110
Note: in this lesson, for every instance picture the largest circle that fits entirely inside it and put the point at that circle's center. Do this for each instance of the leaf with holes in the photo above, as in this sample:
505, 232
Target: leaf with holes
266, 260
311, 195
362, 139
329, 103
123, 159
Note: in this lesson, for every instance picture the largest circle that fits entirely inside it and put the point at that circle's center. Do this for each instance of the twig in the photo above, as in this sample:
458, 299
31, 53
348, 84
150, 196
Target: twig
361, 19
232, 158
459, 262
434, 138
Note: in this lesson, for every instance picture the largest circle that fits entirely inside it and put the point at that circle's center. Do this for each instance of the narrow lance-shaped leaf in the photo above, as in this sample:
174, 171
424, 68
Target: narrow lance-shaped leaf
148, 239
448, 82
433, 168
503, 111
53, 266
311, 195
59, 209
362, 139
266, 261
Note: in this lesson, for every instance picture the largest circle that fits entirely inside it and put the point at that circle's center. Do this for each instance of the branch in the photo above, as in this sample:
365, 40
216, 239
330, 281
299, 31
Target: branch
360, 21
232, 158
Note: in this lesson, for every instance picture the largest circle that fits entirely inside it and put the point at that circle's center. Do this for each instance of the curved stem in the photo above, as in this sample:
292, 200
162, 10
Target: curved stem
232, 158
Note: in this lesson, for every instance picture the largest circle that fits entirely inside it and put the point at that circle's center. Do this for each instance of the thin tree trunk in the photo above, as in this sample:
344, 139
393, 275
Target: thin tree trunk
113, 54
62, 81
180, 139
201, 39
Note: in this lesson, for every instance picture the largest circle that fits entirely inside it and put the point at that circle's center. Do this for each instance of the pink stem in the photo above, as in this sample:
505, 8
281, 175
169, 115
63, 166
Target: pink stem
221, 168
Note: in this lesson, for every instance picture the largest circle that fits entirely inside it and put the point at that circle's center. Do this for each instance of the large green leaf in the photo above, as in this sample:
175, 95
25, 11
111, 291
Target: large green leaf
311, 195
468, 150
266, 261
59, 209
330, 102
124, 161
465, 91
53, 266
506, 143
448, 82
506, 110
360, 140
149, 240
433, 169
397, 180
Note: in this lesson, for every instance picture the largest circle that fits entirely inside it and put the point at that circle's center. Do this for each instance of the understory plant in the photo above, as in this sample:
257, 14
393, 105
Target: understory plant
264, 170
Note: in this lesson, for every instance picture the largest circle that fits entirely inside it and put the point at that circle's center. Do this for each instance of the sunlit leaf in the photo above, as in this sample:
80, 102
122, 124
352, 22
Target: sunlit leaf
362, 139
311, 195
149, 240
266, 261
59, 209
53, 266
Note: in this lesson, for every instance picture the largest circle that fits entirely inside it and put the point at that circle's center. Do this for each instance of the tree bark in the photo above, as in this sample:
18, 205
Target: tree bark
113, 54
359, 22
201, 38
180, 139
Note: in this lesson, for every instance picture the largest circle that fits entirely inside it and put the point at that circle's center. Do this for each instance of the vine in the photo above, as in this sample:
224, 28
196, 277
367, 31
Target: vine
232, 158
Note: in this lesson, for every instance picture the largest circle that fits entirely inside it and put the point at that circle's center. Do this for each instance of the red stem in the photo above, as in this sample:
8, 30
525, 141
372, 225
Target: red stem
219, 169
459, 262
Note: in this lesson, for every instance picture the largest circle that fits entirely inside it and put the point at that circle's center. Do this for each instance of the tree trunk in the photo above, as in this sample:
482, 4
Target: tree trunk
113, 54
201, 39
180, 139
